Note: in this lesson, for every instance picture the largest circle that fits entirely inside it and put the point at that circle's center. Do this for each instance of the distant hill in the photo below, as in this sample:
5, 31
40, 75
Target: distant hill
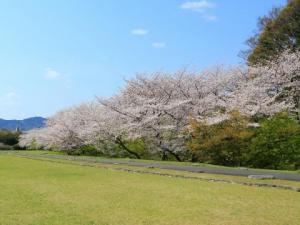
23, 125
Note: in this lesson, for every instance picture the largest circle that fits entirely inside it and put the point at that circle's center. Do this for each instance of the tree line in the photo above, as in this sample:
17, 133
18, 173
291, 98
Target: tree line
239, 116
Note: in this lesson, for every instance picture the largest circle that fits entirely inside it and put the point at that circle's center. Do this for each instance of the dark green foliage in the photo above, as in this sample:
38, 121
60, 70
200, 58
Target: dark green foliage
276, 144
18, 147
121, 148
89, 150
9, 138
278, 31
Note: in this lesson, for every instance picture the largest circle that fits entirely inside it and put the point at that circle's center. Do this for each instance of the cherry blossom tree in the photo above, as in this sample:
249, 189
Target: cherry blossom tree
73, 128
158, 107
271, 88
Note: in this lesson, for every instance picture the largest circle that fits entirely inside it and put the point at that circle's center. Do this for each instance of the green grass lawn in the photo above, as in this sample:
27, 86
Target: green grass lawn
45, 152
95, 162
41, 192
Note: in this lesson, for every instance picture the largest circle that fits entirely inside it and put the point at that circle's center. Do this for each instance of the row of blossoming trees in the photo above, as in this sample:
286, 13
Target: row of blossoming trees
166, 115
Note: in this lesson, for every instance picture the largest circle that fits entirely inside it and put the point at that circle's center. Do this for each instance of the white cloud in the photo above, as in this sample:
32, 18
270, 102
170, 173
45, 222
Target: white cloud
11, 98
197, 6
201, 7
139, 31
51, 74
159, 45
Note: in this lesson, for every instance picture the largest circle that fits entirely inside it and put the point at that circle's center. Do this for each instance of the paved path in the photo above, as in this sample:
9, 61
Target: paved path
197, 169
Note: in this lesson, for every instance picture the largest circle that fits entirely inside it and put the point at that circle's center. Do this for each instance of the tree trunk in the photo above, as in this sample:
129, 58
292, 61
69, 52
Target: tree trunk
175, 155
121, 143
164, 156
165, 150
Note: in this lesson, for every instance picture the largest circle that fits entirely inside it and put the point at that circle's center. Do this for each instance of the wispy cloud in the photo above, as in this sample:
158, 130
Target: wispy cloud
139, 31
208, 17
10, 98
11, 102
197, 6
201, 7
159, 45
51, 74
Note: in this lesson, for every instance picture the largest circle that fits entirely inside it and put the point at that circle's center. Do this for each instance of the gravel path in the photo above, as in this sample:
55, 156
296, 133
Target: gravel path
196, 169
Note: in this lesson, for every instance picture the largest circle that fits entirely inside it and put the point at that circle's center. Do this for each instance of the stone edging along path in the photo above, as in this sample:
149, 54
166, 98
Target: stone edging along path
99, 165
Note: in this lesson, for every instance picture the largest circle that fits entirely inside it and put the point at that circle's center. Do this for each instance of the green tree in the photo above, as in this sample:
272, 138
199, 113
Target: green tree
225, 143
9, 137
278, 31
276, 144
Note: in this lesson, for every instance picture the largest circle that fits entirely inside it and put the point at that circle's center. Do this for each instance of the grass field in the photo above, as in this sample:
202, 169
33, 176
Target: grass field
42, 192
45, 152
96, 162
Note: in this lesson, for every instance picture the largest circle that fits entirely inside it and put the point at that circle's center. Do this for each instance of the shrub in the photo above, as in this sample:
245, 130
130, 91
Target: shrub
18, 147
276, 144
8, 137
225, 143
5, 147
90, 150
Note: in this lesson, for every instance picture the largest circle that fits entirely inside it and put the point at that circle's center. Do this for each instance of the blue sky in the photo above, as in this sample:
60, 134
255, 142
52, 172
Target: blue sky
54, 54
